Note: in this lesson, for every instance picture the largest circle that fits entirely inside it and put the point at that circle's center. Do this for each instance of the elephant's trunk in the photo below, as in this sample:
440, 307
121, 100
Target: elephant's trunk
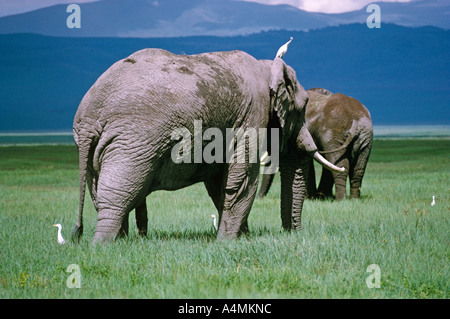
293, 191
306, 143
294, 170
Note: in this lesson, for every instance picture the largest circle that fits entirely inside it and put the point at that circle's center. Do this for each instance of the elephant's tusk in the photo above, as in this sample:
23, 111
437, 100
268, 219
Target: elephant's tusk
319, 158
263, 158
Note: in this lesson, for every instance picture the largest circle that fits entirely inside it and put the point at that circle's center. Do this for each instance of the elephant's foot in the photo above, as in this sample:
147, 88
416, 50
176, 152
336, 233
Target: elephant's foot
232, 229
340, 189
340, 196
105, 236
324, 196
142, 232
355, 193
227, 235
292, 228
107, 230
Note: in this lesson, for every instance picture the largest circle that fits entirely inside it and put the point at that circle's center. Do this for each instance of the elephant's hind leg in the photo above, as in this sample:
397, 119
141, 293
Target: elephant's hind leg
120, 190
357, 173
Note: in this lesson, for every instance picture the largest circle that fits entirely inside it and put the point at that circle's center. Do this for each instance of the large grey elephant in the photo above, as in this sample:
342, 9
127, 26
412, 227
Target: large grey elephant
132, 120
342, 130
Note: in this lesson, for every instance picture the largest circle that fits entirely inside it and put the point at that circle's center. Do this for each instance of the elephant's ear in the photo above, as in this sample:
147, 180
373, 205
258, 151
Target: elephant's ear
288, 99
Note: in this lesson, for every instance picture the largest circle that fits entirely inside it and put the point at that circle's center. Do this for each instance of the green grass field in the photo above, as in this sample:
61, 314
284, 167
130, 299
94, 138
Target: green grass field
392, 226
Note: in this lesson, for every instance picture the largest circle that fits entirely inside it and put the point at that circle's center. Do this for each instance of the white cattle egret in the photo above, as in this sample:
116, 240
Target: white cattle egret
214, 220
433, 202
60, 237
283, 49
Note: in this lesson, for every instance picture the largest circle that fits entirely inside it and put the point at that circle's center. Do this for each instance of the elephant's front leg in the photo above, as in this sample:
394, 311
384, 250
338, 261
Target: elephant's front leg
356, 172
239, 193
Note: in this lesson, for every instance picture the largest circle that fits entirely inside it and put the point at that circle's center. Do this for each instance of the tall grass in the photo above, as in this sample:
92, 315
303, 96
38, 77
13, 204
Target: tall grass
393, 226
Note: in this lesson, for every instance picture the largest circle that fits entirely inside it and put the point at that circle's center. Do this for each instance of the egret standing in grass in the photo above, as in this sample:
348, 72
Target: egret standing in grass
214, 220
61, 240
433, 202
283, 49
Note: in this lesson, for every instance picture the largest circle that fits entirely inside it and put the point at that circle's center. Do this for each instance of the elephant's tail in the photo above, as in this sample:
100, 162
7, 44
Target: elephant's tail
83, 155
351, 136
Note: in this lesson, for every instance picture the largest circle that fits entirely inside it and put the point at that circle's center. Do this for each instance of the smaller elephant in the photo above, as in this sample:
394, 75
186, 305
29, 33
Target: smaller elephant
342, 129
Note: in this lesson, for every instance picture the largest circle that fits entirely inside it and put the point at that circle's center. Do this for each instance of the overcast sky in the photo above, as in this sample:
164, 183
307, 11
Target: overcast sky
8, 7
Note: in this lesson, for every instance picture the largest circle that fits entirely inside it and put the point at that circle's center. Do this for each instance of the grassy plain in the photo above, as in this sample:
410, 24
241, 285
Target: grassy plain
392, 226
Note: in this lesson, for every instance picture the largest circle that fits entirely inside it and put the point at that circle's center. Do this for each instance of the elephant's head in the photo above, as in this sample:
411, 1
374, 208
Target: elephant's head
288, 102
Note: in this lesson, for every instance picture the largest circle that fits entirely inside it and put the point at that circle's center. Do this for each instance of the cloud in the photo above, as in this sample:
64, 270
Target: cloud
326, 6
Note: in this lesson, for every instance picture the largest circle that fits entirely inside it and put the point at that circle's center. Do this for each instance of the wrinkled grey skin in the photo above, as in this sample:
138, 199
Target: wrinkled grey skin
342, 130
124, 123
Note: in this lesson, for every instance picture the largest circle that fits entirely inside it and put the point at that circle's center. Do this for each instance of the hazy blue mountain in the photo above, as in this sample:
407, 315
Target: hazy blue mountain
175, 18
401, 74
163, 18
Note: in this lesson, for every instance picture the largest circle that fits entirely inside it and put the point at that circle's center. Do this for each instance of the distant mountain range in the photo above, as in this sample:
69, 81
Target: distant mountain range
401, 74
176, 18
